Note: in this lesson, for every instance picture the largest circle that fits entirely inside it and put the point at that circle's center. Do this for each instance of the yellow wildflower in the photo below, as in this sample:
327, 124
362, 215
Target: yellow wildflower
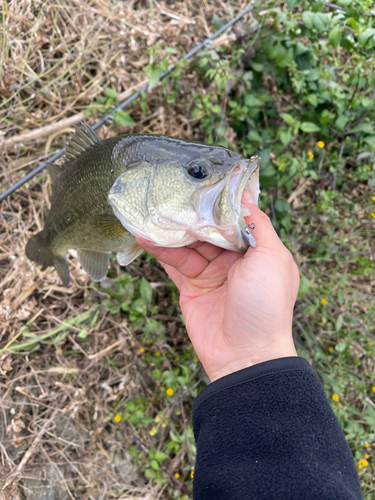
141, 350
373, 388
192, 474
153, 431
323, 302
117, 418
177, 475
373, 198
157, 353
310, 155
369, 344
320, 144
368, 167
367, 445
363, 462
359, 466
373, 215
367, 455
169, 391
330, 349
335, 397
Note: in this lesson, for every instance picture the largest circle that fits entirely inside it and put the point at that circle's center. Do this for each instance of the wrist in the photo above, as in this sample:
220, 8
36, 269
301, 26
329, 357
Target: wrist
239, 363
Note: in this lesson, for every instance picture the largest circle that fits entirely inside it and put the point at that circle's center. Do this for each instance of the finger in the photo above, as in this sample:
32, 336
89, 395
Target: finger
175, 275
264, 233
207, 250
217, 271
186, 260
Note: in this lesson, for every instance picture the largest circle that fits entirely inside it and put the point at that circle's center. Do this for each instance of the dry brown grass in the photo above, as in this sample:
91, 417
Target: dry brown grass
56, 58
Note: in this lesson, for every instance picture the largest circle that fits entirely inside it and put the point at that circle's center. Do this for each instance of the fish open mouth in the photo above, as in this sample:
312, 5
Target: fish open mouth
219, 205
228, 212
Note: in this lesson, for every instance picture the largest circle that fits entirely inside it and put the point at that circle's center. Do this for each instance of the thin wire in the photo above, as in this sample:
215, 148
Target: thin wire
205, 44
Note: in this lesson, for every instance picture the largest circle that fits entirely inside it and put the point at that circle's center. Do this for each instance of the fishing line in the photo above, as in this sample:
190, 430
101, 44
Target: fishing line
205, 44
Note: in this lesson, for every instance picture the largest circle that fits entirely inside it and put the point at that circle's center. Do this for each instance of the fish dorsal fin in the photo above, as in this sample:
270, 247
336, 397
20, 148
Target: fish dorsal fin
83, 139
53, 170
94, 263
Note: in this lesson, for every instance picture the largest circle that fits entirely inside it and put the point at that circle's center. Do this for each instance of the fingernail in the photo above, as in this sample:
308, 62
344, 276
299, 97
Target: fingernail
248, 197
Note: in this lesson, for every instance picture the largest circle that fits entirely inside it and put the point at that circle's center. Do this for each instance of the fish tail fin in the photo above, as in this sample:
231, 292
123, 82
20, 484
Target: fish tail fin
38, 250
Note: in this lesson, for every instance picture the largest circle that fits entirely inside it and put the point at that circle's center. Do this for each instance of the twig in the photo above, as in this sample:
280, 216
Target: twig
303, 331
177, 482
337, 164
341, 252
362, 117
18, 470
185, 426
337, 7
19, 333
344, 313
106, 350
32, 135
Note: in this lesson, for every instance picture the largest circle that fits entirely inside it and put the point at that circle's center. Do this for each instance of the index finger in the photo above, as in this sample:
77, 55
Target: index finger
186, 260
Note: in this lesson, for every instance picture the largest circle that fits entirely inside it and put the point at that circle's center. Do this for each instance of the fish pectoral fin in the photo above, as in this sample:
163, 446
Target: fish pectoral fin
109, 226
62, 268
53, 170
127, 256
94, 263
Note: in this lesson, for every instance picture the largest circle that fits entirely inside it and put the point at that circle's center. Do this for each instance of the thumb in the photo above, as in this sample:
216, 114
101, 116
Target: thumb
264, 233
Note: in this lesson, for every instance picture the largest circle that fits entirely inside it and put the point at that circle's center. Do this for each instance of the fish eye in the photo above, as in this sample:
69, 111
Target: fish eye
197, 170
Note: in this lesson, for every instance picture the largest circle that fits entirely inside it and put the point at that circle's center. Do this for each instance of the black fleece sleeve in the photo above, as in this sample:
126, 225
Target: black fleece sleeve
268, 433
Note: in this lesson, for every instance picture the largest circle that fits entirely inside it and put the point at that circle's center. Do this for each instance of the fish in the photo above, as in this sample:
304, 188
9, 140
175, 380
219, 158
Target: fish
169, 191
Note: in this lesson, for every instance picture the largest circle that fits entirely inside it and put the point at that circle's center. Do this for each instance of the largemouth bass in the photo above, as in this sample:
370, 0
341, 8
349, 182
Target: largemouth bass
169, 191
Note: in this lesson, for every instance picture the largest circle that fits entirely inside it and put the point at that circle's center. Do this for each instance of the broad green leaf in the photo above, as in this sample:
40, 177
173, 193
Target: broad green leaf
150, 473
251, 101
288, 118
365, 36
123, 118
285, 136
321, 21
309, 127
282, 206
111, 93
362, 127
339, 322
344, 3
341, 122
308, 19
154, 465
153, 74
146, 290
313, 100
284, 59
257, 66
292, 3
304, 286
342, 346
335, 35
160, 456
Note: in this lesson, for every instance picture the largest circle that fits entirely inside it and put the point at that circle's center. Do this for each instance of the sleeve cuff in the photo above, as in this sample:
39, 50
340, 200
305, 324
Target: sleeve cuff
253, 372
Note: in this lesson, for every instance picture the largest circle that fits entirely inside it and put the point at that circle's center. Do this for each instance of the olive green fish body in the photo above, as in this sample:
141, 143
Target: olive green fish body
170, 191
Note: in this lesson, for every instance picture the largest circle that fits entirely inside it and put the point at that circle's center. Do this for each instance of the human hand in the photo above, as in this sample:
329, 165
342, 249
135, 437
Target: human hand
238, 308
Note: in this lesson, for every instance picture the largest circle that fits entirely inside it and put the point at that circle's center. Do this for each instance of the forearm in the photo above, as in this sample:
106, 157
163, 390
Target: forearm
268, 432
